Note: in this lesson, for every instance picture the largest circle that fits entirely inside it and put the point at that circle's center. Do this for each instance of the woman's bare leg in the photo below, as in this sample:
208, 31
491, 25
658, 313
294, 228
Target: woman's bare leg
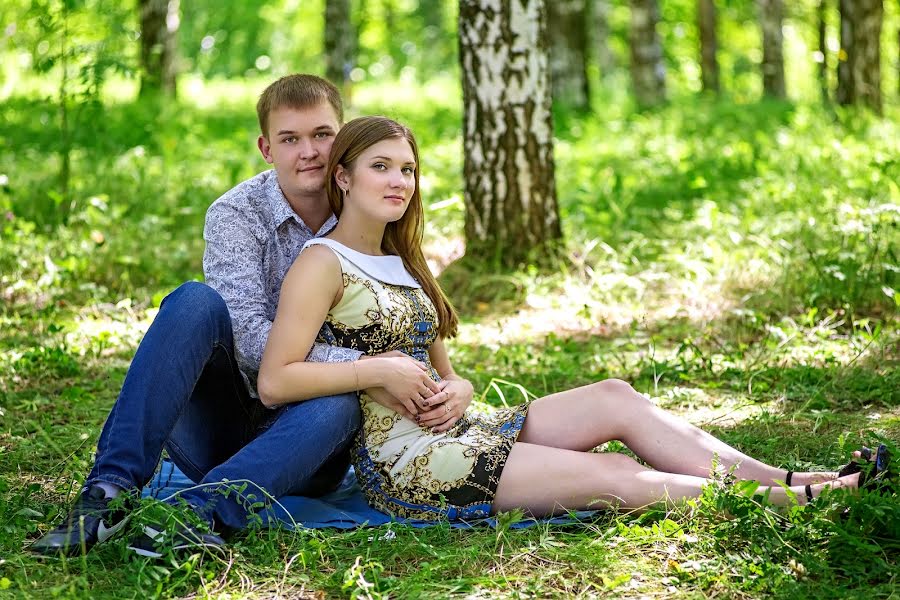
588, 416
543, 480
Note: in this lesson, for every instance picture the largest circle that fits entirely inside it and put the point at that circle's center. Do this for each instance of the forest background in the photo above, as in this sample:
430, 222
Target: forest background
726, 243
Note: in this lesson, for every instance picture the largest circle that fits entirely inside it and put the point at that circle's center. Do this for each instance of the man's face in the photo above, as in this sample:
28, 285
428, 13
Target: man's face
297, 145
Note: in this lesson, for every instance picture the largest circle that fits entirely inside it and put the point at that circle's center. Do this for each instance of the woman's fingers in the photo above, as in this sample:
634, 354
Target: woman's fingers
438, 415
427, 404
447, 425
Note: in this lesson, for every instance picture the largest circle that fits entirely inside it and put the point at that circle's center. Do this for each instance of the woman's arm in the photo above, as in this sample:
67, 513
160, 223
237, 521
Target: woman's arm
313, 285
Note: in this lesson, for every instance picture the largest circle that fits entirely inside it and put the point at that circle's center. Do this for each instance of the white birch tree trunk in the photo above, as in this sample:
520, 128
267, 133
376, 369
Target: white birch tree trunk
511, 209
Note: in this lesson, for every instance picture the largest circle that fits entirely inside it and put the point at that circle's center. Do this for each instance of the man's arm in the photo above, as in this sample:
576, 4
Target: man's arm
233, 266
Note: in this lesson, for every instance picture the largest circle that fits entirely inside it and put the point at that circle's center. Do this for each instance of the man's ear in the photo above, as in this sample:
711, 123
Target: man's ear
265, 149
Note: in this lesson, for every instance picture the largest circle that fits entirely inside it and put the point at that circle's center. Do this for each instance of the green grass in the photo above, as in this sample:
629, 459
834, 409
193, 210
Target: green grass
736, 262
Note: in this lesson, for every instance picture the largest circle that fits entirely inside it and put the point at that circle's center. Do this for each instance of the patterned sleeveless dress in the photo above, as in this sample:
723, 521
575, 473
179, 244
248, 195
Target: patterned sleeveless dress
406, 470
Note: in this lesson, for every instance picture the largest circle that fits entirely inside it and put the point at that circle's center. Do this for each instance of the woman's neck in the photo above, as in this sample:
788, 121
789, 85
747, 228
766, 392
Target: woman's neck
362, 237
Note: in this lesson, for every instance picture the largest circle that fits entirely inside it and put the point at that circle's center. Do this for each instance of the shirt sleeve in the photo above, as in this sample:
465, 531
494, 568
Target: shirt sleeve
233, 266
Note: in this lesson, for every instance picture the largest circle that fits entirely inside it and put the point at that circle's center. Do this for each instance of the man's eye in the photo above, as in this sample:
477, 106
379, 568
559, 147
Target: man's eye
289, 140
322, 134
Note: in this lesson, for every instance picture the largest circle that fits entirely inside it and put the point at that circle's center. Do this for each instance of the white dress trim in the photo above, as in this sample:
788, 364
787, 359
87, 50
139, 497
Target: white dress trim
387, 269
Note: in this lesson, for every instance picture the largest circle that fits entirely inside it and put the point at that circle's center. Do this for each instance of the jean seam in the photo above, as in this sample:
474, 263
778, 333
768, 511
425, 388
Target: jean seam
112, 427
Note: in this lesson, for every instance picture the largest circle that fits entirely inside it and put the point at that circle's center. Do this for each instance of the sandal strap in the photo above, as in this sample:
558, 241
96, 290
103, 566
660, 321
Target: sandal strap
787, 478
809, 494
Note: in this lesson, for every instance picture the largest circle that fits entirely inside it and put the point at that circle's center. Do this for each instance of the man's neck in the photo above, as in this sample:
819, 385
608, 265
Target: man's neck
312, 209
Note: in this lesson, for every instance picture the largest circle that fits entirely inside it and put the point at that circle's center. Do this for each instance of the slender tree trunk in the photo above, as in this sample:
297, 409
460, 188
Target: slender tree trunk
771, 16
65, 150
605, 58
568, 53
511, 210
823, 49
648, 72
339, 41
432, 14
159, 28
859, 64
709, 65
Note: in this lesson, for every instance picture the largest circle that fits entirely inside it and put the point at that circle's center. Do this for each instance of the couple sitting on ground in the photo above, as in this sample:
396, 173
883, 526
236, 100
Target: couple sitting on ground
317, 284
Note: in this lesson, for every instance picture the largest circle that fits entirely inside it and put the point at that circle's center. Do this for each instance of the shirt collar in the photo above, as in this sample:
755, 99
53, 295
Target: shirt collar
282, 211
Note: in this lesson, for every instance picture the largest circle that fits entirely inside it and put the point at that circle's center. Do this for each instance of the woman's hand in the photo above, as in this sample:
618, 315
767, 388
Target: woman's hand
442, 417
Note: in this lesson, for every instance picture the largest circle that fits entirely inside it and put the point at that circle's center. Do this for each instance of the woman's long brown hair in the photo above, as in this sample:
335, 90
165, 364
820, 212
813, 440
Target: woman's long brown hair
403, 237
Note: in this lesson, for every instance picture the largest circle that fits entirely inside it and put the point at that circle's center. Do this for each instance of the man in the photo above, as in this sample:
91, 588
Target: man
191, 387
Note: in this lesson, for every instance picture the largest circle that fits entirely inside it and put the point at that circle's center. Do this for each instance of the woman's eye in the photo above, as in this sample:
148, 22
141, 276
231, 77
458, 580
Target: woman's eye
408, 170
379, 166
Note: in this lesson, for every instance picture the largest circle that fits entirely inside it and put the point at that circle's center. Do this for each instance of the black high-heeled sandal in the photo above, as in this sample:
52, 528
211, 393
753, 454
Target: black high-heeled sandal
854, 467
876, 477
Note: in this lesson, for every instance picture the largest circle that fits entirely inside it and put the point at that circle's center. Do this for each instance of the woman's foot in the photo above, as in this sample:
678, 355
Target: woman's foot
811, 491
792, 478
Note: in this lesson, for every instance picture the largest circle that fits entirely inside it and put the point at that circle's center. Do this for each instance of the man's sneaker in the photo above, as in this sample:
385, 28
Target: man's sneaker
90, 522
179, 538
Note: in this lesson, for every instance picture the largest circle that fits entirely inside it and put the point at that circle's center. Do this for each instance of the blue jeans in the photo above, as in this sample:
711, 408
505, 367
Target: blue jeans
184, 392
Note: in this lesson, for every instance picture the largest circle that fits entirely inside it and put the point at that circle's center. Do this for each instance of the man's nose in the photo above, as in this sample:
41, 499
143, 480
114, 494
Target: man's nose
307, 148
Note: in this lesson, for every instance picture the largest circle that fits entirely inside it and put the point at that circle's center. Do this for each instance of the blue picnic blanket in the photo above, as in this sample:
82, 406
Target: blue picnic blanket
344, 508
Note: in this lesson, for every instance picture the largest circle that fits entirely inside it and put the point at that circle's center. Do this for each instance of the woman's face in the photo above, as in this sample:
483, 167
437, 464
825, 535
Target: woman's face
382, 180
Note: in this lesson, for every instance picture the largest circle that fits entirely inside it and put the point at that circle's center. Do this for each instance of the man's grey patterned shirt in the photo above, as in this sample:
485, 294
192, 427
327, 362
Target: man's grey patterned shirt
252, 237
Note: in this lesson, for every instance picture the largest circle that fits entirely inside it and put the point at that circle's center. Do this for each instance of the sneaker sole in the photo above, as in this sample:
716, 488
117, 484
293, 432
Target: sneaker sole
153, 533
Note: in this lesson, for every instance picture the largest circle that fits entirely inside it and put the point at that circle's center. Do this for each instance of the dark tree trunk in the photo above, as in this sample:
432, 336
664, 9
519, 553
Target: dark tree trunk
859, 63
511, 210
568, 53
709, 65
771, 16
648, 73
159, 33
339, 41
605, 58
432, 13
823, 49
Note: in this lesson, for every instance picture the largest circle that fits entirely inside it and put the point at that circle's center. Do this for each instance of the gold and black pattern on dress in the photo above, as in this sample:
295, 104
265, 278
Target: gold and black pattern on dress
406, 470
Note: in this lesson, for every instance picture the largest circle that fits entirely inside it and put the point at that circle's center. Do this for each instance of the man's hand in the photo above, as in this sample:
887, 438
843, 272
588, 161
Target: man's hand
405, 378
443, 416
384, 398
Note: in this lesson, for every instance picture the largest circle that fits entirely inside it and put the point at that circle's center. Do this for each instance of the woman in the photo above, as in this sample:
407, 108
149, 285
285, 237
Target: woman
369, 282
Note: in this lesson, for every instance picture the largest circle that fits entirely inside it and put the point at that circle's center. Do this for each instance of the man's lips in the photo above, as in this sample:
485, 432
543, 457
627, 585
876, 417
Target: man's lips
310, 168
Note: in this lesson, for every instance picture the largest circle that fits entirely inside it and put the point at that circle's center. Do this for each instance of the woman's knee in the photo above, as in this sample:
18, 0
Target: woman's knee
615, 388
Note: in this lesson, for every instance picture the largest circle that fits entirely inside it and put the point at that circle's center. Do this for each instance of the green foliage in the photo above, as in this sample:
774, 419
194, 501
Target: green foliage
735, 260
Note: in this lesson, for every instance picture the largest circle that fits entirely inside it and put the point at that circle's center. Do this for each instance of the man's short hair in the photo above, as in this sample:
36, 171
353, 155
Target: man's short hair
297, 91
